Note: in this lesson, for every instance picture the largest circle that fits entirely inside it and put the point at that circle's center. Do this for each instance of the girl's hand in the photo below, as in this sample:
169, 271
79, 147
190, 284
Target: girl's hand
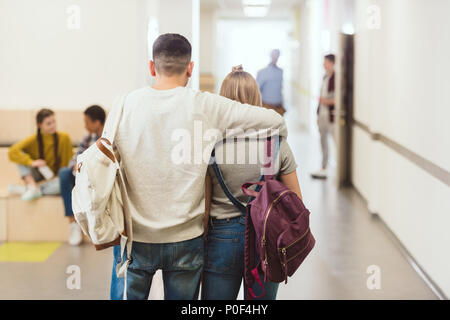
38, 163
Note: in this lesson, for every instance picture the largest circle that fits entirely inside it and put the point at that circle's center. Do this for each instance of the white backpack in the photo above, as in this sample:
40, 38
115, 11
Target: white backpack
99, 199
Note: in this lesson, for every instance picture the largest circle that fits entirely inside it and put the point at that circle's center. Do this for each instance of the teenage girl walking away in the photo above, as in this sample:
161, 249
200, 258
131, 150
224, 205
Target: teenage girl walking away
224, 259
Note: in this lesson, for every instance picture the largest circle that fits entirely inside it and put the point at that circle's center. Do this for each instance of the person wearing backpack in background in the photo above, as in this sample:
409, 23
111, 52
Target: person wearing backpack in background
166, 189
40, 157
94, 120
224, 259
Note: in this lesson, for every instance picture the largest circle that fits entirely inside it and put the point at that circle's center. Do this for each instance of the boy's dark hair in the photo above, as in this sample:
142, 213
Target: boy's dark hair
171, 53
330, 57
96, 113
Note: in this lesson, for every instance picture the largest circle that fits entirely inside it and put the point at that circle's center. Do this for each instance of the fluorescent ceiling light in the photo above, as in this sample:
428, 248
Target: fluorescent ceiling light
256, 11
256, 3
348, 28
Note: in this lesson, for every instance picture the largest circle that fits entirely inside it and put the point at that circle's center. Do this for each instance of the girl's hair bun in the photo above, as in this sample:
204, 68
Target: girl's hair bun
237, 68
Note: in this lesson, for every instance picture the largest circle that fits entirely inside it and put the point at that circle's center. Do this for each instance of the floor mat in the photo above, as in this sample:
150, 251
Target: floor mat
27, 251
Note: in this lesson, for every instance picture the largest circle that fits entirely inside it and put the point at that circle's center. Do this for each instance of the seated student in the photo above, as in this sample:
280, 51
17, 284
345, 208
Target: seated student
224, 259
40, 155
164, 167
94, 119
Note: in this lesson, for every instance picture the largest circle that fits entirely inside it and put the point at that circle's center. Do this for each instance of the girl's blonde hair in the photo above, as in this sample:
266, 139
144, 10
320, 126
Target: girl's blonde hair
241, 86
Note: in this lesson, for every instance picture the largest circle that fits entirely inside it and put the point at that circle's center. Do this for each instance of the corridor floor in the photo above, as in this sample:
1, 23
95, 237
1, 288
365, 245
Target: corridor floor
348, 240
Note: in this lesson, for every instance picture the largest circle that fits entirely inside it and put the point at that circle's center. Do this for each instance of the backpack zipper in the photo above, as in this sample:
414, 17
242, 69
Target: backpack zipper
298, 239
285, 260
264, 232
283, 250
284, 265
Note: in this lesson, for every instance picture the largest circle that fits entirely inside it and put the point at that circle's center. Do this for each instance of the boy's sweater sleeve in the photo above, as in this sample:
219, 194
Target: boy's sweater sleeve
242, 120
16, 153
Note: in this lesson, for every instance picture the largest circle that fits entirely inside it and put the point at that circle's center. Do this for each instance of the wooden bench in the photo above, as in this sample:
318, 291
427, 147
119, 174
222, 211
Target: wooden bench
19, 124
207, 82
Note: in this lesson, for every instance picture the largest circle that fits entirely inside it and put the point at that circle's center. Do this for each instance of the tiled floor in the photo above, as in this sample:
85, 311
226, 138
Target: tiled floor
348, 241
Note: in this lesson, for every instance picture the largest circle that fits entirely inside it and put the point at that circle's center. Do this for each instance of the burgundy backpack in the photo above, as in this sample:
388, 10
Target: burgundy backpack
277, 227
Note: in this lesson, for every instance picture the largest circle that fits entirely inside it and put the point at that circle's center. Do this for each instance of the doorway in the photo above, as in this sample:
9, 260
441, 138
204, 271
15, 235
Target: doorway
249, 42
344, 105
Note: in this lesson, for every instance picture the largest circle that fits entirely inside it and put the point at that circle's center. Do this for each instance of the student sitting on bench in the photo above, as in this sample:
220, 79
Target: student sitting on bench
39, 158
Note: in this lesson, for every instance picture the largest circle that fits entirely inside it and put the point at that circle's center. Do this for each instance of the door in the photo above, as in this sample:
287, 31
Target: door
344, 109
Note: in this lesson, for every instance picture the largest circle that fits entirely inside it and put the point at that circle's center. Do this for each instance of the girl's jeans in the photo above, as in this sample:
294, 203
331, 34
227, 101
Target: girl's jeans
224, 262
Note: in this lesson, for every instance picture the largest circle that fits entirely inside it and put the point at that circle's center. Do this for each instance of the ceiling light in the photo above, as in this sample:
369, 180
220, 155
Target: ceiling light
348, 28
256, 3
256, 11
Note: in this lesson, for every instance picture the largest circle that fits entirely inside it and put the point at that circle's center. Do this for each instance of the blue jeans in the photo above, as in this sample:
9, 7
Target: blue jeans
50, 187
181, 264
224, 262
67, 182
116, 290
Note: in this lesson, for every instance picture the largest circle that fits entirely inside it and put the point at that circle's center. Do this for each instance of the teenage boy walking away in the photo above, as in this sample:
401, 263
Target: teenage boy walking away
94, 119
325, 114
164, 162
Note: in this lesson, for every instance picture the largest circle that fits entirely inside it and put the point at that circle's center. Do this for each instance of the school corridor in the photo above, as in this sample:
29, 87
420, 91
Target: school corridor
348, 241
380, 206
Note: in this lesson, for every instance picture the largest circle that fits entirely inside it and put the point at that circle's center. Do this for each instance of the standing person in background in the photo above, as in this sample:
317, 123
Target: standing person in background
325, 113
39, 158
270, 80
94, 120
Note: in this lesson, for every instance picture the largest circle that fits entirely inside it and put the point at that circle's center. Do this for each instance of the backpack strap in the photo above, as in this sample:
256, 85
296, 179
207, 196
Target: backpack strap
251, 274
106, 141
268, 169
126, 241
108, 137
113, 119
269, 158
224, 187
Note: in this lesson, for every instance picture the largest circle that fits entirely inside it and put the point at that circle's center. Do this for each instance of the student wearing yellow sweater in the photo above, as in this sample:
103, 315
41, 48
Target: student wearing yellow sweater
47, 148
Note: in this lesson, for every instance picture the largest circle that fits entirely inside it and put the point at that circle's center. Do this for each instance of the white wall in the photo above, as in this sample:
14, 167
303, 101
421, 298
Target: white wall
400, 83
207, 41
183, 17
407, 71
45, 64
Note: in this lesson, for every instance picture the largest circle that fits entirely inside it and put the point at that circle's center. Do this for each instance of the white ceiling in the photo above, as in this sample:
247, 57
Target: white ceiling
235, 8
